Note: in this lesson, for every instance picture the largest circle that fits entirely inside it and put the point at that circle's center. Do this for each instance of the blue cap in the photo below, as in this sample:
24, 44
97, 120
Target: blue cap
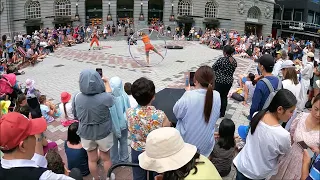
243, 131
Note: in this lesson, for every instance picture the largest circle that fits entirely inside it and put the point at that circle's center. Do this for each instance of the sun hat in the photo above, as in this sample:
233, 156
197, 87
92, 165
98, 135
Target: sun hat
310, 54
65, 97
266, 61
279, 52
166, 151
29, 83
287, 64
15, 127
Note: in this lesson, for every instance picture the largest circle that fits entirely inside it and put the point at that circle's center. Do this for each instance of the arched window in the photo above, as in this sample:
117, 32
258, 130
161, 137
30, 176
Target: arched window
211, 9
33, 10
184, 7
254, 13
63, 8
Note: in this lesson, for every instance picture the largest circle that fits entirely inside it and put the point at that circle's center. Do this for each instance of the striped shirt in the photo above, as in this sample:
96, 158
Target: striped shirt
191, 122
315, 170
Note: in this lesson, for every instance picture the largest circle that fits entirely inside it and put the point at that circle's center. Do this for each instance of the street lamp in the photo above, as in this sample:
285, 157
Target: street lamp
172, 14
76, 17
109, 17
141, 17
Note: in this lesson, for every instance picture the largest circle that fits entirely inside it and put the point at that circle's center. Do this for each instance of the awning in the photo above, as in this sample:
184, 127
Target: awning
302, 32
257, 23
184, 19
213, 21
62, 19
33, 22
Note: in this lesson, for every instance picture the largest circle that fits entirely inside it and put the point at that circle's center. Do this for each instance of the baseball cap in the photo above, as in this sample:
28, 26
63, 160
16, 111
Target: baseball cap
287, 64
310, 54
15, 127
266, 61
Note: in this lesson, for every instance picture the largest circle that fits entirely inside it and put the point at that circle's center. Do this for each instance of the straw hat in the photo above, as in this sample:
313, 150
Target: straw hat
166, 151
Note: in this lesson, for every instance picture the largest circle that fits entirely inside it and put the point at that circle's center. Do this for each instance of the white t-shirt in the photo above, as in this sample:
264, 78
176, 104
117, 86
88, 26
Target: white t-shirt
295, 89
277, 68
259, 157
133, 102
68, 110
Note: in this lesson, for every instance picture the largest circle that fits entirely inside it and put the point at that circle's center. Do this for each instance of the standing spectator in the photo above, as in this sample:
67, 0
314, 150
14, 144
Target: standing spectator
267, 140
306, 75
10, 50
224, 68
132, 100
197, 112
312, 173
21, 145
91, 107
261, 93
277, 66
142, 120
119, 122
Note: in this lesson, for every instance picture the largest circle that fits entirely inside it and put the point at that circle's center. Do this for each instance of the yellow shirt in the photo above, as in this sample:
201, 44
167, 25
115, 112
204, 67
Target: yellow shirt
206, 171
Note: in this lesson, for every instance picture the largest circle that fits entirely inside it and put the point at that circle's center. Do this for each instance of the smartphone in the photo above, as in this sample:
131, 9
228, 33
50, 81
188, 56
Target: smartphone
191, 77
99, 70
303, 145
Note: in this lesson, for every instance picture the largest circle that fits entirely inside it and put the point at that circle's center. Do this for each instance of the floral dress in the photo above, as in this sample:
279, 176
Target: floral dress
141, 121
290, 165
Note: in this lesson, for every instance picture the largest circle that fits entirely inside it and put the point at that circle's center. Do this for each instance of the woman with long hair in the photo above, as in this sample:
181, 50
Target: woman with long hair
224, 69
168, 155
197, 111
306, 128
266, 140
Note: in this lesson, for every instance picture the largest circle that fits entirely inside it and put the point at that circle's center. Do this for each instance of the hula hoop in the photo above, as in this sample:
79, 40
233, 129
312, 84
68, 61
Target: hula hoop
165, 44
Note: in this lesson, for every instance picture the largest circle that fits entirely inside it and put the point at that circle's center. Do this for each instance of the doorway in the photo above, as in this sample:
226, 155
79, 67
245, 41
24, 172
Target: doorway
255, 29
94, 12
155, 11
32, 29
125, 10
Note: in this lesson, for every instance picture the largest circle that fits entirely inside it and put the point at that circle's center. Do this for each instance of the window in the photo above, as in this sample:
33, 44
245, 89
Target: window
63, 8
254, 12
310, 16
297, 16
184, 8
33, 10
211, 10
287, 15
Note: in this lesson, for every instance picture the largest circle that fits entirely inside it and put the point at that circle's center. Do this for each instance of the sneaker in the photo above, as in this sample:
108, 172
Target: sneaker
113, 176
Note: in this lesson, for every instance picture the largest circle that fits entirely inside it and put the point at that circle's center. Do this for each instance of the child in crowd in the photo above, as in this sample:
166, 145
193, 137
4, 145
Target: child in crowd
47, 109
77, 156
224, 149
30, 89
132, 100
56, 165
66, 108
20, 102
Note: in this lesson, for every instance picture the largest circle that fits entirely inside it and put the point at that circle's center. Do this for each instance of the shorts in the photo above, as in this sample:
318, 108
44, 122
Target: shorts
148, 47
103, 145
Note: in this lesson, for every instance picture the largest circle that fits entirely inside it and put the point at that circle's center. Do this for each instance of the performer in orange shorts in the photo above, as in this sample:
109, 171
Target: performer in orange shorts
95, 39
148, 46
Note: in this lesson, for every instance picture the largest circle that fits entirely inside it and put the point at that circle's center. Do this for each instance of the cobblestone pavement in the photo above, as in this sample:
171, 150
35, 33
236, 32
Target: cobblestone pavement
60, 72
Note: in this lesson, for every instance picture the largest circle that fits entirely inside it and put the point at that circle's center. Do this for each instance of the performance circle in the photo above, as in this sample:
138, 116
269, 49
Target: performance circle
147, 41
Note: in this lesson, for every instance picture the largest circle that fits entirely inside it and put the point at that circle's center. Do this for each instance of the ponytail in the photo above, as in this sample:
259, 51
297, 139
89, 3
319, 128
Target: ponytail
65, 110
208, 103
256, 119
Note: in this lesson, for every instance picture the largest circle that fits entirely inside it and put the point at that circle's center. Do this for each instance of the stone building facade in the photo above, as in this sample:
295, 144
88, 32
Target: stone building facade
242, 15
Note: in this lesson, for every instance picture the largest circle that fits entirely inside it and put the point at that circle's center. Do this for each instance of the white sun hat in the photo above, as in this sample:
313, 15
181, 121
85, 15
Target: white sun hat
166, 151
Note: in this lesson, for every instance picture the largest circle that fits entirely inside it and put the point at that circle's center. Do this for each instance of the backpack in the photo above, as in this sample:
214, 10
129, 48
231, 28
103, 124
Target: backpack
273, 91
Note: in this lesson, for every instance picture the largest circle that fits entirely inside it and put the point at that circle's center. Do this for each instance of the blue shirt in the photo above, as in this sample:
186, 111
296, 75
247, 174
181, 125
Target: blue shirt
191, 122
77, 158
44, 111
10, 49
261, 94
27, 44
315, 170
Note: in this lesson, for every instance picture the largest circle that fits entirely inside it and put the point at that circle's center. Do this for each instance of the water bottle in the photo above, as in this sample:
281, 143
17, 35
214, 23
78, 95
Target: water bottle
187, 80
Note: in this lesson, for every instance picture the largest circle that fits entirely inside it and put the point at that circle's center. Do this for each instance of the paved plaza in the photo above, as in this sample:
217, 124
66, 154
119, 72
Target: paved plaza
60, 72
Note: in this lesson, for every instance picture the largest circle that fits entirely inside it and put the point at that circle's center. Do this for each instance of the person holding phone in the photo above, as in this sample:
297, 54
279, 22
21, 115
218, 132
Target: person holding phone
306, 128
312, 173
197, 111
224, 69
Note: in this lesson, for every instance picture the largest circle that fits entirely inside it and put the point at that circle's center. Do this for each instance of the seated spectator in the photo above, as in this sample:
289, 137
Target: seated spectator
31, 56
169, 155
198, 110
120, 128
224, 149
65, 107
132, 100
77, 156
30, 89
56, 165
142, 120
4, 107
47, 109
21, 101
20, 142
